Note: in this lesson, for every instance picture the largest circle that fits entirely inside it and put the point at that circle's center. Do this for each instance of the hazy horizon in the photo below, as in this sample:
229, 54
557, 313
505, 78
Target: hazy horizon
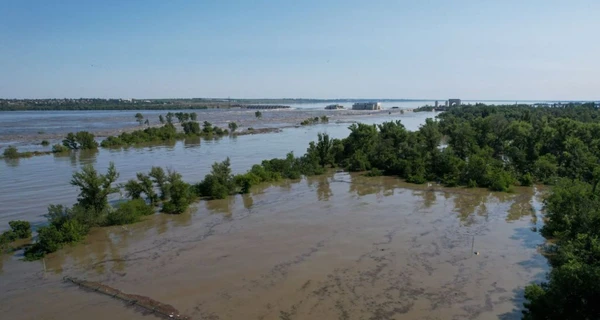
473, 50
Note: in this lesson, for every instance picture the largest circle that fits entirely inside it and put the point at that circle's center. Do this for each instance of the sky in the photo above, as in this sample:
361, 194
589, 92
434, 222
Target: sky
429, 49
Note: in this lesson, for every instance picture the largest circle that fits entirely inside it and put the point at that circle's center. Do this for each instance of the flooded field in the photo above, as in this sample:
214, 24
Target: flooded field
336, 246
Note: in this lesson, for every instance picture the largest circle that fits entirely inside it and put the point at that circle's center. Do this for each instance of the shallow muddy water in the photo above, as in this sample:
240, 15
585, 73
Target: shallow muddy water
336, 246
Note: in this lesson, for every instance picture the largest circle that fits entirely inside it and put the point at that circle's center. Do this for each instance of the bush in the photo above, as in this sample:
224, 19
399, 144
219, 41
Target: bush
181, 196
45, 143
21, 229
374, 172
128, 212
7, 237
359, 162
500, 180
49, 239
526, 180
59, 148
11, 152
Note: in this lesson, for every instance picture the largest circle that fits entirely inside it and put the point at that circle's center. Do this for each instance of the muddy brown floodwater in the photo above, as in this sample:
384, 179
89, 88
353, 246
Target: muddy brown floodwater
337, 246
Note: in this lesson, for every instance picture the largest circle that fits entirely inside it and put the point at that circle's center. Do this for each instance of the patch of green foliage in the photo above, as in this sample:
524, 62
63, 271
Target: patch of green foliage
59, 148
18, 230
573, 221
11, 152
128, 212
45, 143
315, 120
80, 140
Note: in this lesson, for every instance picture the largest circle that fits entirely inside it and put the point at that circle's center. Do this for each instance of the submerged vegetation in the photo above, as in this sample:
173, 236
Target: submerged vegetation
11, 152
71, 225
168, 132
18, 230
315, 120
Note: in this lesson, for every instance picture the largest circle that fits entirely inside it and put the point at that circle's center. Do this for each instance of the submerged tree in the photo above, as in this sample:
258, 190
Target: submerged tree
94, 188
139, 118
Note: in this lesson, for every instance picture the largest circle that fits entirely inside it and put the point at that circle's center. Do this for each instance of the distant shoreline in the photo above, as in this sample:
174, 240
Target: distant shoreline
92, 104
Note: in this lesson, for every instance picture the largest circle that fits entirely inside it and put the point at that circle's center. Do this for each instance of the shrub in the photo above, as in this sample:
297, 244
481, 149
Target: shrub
59, 148
11, 152
181, 197
500, 180
374, 172
359, 162
21, 229
128, 212
526, 180
49, 239
7, 237
232, 126
45, 143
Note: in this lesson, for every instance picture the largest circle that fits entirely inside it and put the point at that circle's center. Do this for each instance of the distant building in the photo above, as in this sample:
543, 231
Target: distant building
446, 103
334, 107
366, 106
436, 103
454, 102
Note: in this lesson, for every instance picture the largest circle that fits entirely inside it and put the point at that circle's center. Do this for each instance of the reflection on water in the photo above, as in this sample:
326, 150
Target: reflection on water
383, 248
222, 206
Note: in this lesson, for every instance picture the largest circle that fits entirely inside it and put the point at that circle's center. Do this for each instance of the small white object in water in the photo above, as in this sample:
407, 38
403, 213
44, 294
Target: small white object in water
476, 252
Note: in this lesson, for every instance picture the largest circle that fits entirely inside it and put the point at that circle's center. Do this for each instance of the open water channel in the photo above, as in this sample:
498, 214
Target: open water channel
336, 246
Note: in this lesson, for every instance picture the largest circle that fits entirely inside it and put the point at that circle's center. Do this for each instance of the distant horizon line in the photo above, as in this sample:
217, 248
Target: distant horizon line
313, 99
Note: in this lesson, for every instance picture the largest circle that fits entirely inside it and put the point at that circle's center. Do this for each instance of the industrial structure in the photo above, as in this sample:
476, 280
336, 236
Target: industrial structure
334, 107
366, 106
453, 102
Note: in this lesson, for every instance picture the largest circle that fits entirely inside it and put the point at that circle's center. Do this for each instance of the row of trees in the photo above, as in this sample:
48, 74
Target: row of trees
166, 133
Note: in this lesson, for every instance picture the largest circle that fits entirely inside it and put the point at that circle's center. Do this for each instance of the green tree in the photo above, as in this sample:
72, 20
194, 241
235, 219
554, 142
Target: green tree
180, 192
160, 179
80, 140
139, 118
258, 114
94, 188
232, 126
191, 128
193, 116
161, 119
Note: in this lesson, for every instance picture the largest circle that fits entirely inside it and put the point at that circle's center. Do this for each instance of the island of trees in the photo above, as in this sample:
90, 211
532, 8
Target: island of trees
495, 147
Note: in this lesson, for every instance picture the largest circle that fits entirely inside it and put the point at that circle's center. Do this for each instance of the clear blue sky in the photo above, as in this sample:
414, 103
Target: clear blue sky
479, 49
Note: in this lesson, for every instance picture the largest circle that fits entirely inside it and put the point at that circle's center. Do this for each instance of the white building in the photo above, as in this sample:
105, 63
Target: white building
366, 106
